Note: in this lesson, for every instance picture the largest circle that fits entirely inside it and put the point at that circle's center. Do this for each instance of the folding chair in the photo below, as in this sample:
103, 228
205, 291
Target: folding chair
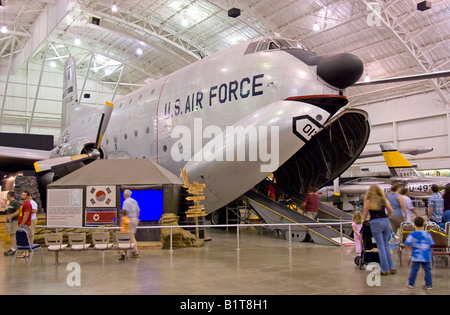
23, 243
77, 241
441, 243
405, 229
54, 244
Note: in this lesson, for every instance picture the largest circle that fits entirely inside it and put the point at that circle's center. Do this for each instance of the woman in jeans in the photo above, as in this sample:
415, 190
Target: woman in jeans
398, 205
376, 204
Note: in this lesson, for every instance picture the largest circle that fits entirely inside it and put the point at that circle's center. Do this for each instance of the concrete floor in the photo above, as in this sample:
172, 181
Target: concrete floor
263, 266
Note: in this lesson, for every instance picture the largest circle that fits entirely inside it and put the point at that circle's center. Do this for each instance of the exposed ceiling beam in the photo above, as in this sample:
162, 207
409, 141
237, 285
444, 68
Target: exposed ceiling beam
385, 17
47, 21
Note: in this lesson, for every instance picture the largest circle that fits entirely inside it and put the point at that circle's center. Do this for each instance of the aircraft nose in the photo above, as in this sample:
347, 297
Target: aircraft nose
340, 70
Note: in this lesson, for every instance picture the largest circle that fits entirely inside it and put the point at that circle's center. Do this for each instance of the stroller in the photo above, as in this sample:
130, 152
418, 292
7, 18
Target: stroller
368, 245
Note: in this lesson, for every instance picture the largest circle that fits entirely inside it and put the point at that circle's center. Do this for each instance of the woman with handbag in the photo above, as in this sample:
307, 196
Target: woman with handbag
376, 204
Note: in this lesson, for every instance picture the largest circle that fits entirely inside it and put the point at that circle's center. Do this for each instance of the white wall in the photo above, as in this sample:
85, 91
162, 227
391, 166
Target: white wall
410, 121
21, 93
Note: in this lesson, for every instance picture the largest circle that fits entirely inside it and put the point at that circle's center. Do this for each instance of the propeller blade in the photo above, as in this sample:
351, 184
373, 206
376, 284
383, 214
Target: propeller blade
46, 165
414, 77
104, 120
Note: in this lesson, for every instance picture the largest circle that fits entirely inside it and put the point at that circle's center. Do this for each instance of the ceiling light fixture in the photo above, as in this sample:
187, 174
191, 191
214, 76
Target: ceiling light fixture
367, 78
77, 41
4, 29
114, 7
139, 51
316, 26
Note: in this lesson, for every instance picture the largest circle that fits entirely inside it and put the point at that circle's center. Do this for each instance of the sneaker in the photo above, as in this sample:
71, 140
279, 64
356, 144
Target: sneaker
409, 286
427, 287
122, 258
9, 253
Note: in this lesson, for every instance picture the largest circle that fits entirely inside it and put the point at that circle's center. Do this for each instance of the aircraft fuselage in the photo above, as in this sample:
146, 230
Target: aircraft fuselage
229, 89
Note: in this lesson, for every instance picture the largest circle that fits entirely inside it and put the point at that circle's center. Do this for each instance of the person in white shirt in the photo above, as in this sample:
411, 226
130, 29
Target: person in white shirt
133, 211
34, 211
408, 204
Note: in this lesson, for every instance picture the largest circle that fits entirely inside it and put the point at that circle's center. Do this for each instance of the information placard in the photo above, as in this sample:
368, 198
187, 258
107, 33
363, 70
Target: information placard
65, 207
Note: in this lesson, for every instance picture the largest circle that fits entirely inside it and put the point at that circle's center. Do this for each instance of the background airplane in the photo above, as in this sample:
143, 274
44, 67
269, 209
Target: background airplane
402, 173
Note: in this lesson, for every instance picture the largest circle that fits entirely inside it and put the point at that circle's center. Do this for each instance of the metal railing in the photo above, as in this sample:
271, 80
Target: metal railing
281, 226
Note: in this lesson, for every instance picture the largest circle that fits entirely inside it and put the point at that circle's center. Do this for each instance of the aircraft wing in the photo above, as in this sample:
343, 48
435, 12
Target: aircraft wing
414, 77
412, 151
18, 159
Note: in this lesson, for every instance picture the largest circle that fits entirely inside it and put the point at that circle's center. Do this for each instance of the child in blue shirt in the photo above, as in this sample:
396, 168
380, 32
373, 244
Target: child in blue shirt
420, 242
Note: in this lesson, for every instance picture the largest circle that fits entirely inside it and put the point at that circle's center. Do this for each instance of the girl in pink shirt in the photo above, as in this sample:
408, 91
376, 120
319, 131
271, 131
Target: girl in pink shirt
356, 226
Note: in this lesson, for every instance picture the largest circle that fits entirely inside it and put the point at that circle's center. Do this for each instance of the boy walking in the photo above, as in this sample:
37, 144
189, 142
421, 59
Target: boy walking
420, 242
124, 227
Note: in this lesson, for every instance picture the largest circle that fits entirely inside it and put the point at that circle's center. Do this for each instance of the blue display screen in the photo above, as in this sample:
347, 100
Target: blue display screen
150, 202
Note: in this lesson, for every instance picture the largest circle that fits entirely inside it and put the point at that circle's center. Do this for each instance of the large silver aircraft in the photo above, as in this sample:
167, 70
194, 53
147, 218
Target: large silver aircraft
260, 107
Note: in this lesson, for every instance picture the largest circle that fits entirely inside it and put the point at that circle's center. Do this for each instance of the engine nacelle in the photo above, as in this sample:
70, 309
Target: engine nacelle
76, 147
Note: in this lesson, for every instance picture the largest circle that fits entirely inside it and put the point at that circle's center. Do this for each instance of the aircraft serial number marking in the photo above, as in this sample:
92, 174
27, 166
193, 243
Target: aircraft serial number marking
421, 188
405, 172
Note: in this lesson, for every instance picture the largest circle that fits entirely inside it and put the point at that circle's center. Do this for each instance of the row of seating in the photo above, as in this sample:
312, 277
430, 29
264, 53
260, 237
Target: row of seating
440, 237
77, 242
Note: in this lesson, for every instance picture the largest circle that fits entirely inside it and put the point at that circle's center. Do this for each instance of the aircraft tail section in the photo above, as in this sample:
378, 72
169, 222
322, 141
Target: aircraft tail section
70, 92
398, 165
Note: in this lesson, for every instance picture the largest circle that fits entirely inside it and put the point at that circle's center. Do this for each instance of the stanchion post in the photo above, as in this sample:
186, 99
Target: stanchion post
237, 236
340, 229
171, 249
290, 236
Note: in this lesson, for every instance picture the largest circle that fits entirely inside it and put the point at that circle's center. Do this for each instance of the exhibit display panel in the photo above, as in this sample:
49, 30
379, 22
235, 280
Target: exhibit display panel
65, 207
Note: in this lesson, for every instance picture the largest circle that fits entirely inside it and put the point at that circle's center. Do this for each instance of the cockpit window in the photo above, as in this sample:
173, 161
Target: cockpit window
273, 44
251, 48
263, 45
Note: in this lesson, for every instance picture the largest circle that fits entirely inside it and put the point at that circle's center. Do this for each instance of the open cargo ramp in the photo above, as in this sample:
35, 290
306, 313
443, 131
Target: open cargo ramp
273, 213
325, 210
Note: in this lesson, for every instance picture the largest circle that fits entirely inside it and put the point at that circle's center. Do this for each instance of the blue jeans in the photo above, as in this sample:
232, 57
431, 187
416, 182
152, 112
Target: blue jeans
446, 216
381, 231
415, 266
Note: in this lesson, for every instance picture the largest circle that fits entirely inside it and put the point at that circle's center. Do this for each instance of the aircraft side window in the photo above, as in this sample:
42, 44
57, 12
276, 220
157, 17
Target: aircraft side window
297, 45
272, 46
283, 43
251, 48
